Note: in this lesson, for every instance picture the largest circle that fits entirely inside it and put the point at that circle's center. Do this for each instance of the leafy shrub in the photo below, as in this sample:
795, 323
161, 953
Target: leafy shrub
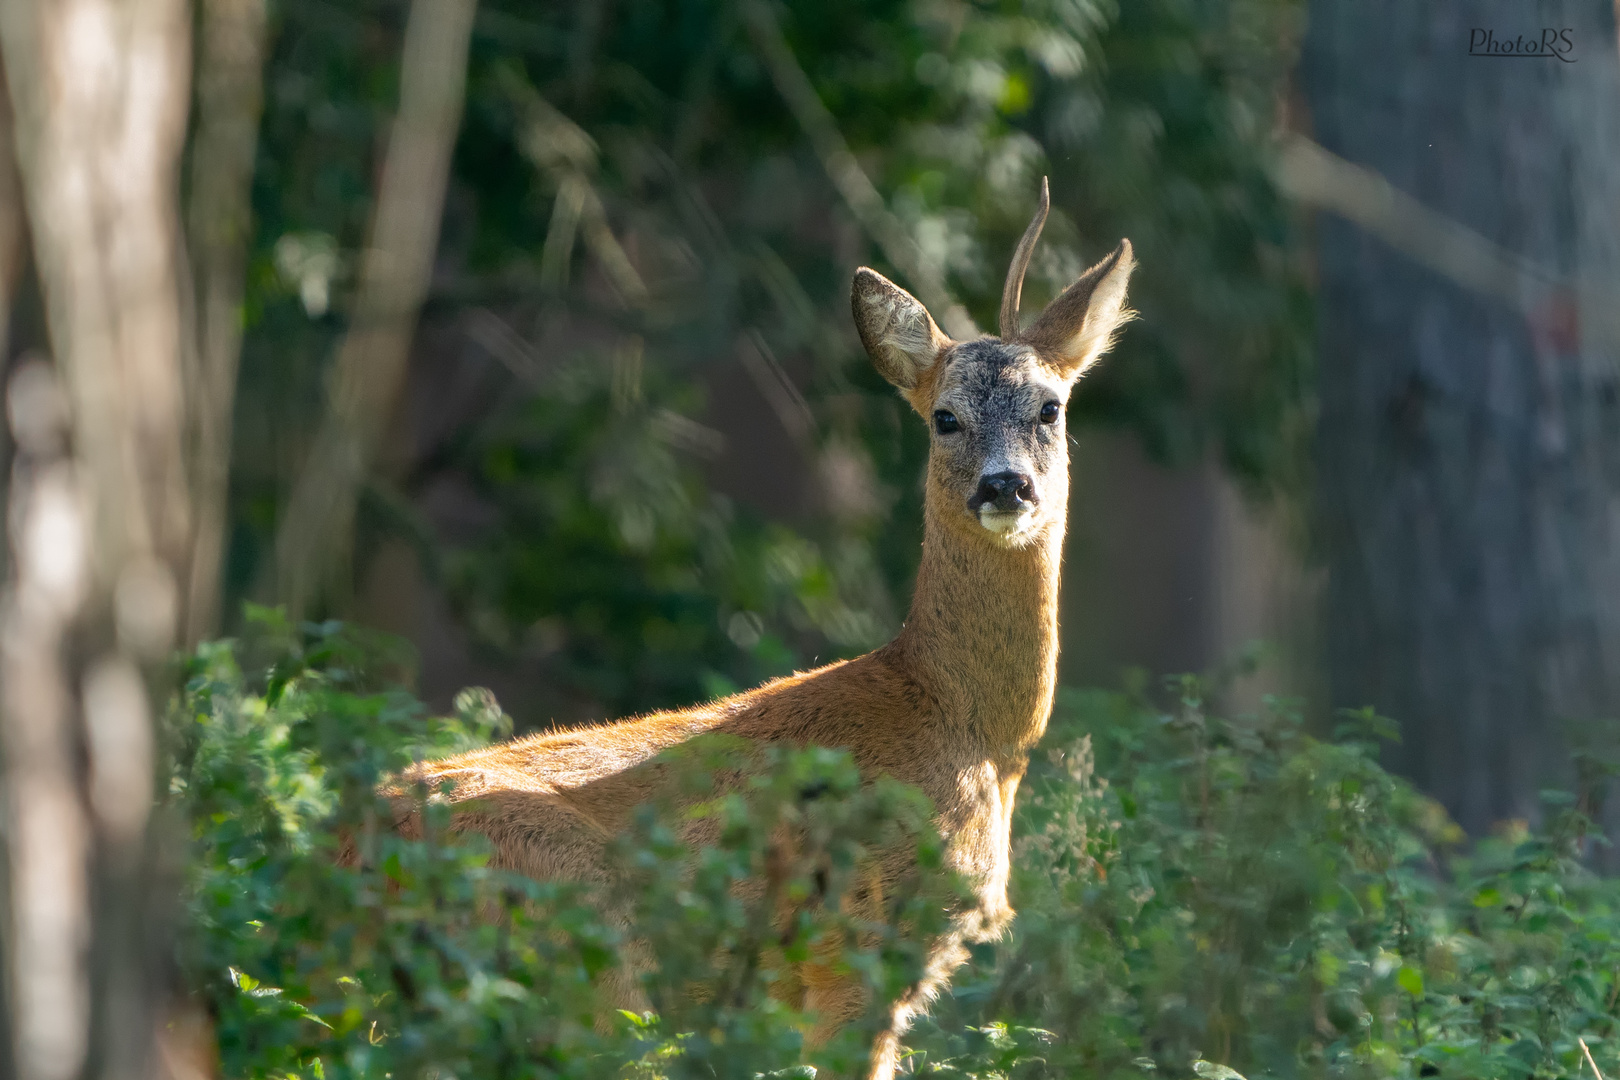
419, 958
1196, 888
1196, 895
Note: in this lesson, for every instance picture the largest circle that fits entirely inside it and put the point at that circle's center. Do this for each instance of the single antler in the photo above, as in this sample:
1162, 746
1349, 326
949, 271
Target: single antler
1020, 262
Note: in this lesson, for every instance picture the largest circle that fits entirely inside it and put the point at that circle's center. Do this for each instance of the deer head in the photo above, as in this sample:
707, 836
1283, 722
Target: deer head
999, 465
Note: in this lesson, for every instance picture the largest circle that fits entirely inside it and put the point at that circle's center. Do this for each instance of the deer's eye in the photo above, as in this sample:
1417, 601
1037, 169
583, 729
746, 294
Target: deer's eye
946, 422
1049, 412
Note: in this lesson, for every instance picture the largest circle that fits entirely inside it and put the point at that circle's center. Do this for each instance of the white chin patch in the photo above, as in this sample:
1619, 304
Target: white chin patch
1007, 526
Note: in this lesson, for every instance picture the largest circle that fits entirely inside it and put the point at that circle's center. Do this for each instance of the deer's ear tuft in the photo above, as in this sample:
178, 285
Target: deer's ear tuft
899, 334
1079, 326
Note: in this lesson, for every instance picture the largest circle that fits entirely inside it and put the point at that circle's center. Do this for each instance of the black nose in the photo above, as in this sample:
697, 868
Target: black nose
1006, 491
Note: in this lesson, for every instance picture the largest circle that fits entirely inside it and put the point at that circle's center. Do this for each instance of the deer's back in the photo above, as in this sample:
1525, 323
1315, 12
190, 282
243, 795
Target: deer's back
545, 797
869, 706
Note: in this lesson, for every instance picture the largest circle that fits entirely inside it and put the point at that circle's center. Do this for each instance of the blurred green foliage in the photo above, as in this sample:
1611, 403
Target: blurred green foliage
1196, 895
567, 373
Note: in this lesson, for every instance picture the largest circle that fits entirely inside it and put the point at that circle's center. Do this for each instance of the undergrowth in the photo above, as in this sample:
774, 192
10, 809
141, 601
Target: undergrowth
1197, 895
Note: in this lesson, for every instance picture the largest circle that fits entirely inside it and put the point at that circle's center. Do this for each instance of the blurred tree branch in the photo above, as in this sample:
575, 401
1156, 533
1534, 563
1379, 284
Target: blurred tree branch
846, 174
1320, 178
1317, 177
13, 255
12, 223
394, 275
230, 63
567, 156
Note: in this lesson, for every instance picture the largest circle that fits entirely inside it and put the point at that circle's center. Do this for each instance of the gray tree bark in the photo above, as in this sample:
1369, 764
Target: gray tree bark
99, 522
1468, 455
230, 62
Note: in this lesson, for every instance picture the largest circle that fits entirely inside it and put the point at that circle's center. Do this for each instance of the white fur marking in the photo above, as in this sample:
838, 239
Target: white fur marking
1007, 525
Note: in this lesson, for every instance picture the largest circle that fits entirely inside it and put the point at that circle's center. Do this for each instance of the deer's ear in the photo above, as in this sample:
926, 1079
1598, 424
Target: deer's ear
1079, 326
899, 334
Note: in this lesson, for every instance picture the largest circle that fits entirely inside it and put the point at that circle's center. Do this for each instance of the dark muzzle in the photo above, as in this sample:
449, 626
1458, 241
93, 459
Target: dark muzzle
1005, 491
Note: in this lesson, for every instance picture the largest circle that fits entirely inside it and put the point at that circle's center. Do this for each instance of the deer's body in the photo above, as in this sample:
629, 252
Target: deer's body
952, 705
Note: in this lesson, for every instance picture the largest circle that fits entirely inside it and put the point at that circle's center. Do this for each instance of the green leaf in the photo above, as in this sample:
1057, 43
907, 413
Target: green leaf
1410, 980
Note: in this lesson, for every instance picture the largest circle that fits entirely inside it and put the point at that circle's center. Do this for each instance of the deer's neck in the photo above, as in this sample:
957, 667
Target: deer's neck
982, 631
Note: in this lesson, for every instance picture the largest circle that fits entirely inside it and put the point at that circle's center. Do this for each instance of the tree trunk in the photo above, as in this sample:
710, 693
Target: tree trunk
99, 521
1468, 456
230, 80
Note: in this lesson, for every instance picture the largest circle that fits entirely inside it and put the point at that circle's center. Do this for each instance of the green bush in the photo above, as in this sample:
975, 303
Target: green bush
1196, 888
419, 958
1196, 895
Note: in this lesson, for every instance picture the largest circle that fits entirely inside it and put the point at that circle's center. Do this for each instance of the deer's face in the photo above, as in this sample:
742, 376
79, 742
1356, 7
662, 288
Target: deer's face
995, 406
999, 457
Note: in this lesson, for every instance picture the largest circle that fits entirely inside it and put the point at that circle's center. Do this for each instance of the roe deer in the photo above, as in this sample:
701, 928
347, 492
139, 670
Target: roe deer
953, 704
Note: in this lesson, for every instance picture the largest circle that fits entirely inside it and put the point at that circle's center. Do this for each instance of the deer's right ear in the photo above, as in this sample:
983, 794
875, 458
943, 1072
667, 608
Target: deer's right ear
899, 334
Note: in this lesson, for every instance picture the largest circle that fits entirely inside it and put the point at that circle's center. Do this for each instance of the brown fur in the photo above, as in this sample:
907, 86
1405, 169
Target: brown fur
953, 704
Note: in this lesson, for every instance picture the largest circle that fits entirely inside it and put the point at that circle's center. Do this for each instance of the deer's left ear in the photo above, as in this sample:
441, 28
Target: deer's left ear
1079, 326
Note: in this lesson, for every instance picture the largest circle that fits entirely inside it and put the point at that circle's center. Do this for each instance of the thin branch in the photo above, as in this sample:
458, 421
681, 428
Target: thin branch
1588, 1052
230, 66
566, 155
1322, 179
776, 387
846, 174
13, 252
394, 276
12, 226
